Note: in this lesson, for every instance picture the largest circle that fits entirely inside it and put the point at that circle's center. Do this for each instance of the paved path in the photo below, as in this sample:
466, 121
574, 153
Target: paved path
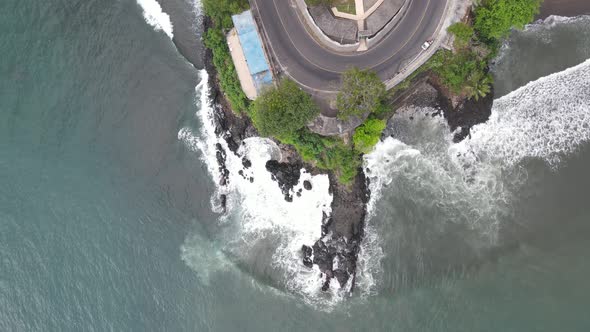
318, 69
237, 54
361, 14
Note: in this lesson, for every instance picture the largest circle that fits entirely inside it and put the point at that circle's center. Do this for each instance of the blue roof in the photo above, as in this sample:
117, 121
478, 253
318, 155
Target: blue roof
250, 41
262, 80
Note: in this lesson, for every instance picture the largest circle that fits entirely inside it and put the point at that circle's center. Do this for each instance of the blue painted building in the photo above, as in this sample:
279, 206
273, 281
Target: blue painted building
253, 51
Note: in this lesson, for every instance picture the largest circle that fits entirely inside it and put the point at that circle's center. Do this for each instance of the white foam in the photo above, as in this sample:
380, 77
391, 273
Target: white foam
554, 20
545, 119
154, 16
197, 7
258, 209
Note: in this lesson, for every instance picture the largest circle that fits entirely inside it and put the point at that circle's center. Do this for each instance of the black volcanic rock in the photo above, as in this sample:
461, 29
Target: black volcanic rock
223, 203
286, 174
341, 232
307, 253
221, 156
246, 163
469, 113
336, 252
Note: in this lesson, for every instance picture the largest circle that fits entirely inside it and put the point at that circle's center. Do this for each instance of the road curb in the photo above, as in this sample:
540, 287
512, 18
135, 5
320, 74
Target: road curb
317, 33
392, 24
423, 56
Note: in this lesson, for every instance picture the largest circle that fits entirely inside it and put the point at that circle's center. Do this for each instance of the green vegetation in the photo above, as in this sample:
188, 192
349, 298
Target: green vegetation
465, 72
495, 18
220, 12
345, 6
328, 3
461, 71
463, 34
479, 84
228, 77
281, 111
362, 93
368, 134
327, 153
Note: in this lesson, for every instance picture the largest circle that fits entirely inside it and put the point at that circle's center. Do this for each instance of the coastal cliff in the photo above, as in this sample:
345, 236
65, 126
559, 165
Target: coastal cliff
336, 251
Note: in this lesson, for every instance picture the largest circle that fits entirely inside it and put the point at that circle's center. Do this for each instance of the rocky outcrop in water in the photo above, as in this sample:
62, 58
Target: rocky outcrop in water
286, 174
460, 113
466, 114
336, 252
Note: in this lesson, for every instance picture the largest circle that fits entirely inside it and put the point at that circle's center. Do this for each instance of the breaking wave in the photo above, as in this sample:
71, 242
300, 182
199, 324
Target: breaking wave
548, 46
154, 16
546, 119
259, 229
428, 192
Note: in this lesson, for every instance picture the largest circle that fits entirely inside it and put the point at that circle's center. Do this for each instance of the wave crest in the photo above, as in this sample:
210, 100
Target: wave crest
154, 16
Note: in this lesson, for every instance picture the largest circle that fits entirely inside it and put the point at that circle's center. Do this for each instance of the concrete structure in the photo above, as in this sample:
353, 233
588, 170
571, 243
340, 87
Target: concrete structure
372, 17
248, 55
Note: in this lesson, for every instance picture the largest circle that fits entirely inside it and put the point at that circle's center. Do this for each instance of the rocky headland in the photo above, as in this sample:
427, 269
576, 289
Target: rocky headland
336, 252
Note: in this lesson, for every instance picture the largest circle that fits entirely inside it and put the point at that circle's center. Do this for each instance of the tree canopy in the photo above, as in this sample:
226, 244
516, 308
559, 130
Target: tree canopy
281, 111
463, 33
495, 18
362, 92
367, 135
221, 11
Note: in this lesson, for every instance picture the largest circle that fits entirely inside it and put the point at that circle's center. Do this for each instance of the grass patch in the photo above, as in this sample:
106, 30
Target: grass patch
345, 6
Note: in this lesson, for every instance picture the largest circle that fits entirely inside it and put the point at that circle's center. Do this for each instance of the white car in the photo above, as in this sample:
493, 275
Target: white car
426, 45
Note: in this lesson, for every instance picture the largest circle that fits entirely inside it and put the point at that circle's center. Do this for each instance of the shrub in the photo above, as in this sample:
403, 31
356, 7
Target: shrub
463, 34
362, 92
220, 11
495, 18
368, 134
228, 77
283, 110
326, 153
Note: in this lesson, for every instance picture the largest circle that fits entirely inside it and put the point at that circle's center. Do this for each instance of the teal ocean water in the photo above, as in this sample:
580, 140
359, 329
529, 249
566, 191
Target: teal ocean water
109, 218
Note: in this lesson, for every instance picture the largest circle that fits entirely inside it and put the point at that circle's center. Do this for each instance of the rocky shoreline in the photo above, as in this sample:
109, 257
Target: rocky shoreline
461, 114
336, 252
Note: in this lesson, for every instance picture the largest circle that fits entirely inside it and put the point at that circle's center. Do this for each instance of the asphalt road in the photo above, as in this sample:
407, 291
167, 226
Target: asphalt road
318, 69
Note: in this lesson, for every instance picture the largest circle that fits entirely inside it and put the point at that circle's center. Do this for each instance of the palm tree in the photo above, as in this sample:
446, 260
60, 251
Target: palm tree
479, 85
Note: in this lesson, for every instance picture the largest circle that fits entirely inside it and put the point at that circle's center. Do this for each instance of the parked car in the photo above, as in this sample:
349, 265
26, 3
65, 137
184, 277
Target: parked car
426, 44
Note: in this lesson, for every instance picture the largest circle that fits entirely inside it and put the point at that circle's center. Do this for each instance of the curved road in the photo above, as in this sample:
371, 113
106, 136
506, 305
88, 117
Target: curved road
318, 69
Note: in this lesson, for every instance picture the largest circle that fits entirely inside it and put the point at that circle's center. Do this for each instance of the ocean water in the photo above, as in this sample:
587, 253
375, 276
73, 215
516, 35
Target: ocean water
109, 204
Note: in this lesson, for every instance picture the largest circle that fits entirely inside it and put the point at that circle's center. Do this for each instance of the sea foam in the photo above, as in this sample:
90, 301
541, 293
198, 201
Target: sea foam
467, 187
545, 119
260, 227
154, 16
